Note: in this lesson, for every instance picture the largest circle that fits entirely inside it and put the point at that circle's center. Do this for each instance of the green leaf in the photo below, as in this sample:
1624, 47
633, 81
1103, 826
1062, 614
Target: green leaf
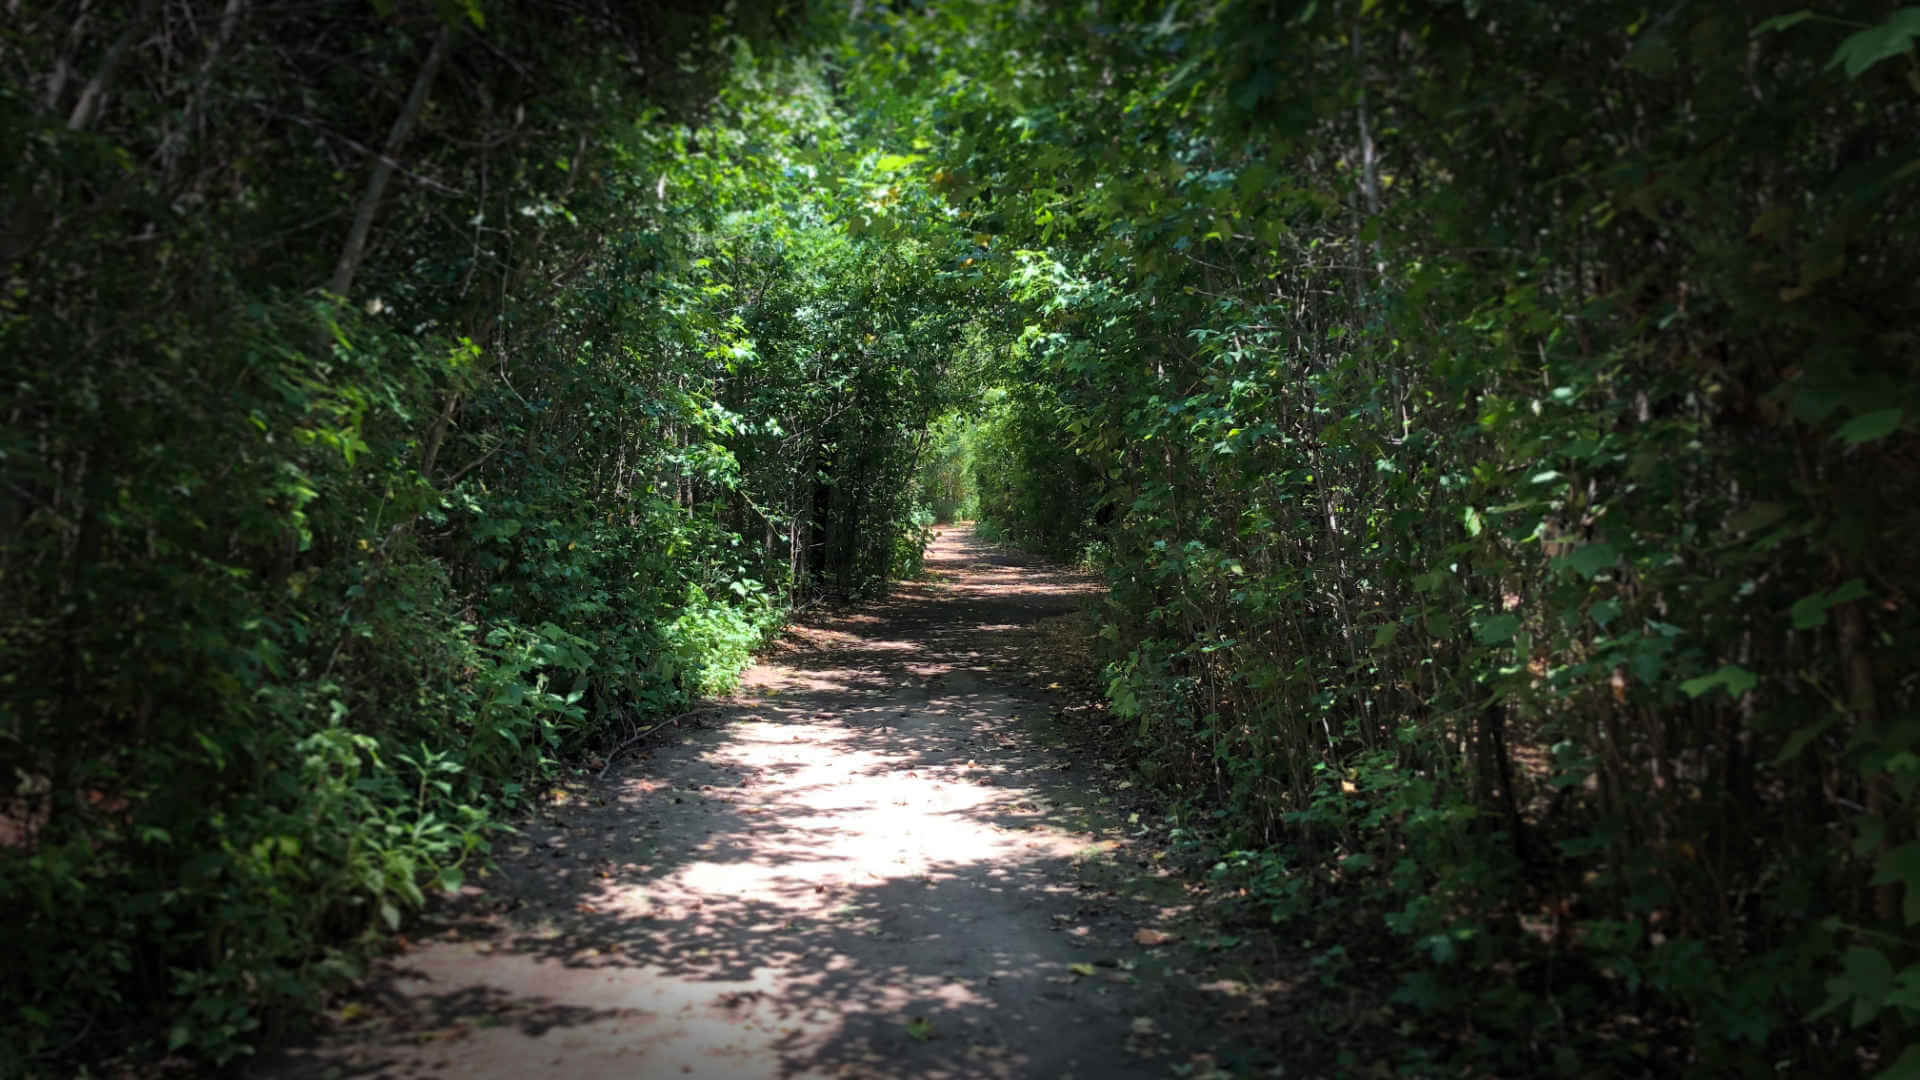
1902, 865
1589, 560
1605, 612
1868, 47
1798, 741
1758, 516
1868, 975
1809, 612
451, 11
1495, 629
1782, 22
1870, 426
1384, 636
1736, 679
451, 878
892, 163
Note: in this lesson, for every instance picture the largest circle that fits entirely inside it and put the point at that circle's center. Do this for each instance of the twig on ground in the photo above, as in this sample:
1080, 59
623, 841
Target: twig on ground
615, 752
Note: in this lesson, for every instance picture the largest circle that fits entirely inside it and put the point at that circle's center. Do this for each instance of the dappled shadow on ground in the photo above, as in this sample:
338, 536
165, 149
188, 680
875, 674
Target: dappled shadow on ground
876, 864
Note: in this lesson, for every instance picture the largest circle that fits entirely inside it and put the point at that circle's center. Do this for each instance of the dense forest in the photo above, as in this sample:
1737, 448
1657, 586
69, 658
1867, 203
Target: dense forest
1495, 423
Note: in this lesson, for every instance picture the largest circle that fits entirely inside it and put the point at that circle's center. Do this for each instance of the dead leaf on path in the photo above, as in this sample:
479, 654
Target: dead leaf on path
1150, 937
1145, 1025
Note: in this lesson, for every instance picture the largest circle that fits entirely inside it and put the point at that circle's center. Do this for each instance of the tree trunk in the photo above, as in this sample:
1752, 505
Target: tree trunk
356, 246
87, 109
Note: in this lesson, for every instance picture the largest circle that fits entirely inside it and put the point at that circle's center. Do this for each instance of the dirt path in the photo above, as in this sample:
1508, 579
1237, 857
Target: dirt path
881, 860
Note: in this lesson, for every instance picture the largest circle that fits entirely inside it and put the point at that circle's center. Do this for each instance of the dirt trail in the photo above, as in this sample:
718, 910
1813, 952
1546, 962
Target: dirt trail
879, 860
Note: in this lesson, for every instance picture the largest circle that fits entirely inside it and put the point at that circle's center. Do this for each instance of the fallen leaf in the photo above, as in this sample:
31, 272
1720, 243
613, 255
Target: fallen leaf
920, 1028
1150, 937
1081, 969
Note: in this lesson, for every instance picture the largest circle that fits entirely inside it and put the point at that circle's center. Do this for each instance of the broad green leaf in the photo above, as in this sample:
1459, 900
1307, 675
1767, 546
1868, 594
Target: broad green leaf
1589, 560
1496, 629
1870, 426
1862, 50
1735, 679
1811, 611
1604, 612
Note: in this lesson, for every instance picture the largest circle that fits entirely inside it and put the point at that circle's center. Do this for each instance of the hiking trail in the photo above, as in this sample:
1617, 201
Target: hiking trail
880, 858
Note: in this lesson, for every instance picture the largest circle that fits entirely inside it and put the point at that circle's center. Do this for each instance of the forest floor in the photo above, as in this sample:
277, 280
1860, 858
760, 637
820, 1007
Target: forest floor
895, 852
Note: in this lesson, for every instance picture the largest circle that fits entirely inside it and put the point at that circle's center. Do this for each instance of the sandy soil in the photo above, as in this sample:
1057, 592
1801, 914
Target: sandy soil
881, 859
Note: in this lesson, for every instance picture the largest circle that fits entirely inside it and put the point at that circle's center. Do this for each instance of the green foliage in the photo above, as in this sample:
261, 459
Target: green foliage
1494, 421
302, 589
708, 644
1471, 409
